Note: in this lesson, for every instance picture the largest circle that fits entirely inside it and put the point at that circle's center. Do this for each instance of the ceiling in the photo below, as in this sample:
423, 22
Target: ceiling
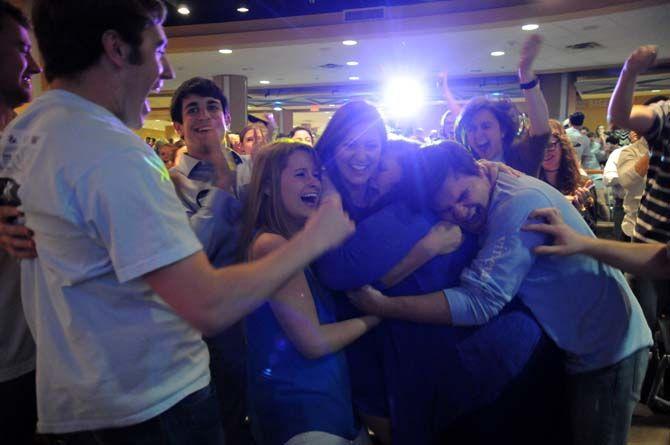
303, 57
208, 11
463, 52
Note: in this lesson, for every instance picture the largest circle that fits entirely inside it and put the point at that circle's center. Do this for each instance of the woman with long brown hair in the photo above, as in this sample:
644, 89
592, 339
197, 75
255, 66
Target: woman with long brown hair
559, 167
299, 387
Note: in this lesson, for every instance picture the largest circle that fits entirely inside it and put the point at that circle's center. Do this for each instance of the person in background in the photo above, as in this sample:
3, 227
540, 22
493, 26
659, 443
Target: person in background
167, 154
203, 182
18, 412
560, 168
489, 128
302, 134
580, 142
611, 180
252, 138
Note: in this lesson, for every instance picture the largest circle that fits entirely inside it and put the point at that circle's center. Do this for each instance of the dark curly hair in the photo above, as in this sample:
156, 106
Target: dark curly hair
504, 111
568, 170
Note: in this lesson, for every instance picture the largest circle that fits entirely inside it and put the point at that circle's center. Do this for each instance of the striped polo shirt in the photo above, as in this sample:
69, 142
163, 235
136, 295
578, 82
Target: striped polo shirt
653, 223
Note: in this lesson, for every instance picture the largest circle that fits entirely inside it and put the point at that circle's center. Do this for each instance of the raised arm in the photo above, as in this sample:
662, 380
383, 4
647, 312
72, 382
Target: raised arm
642, 259
538, 113
621, 112
293, 306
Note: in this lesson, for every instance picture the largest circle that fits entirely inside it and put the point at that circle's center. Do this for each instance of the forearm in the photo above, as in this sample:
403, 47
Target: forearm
650, 260
621, 112
430, 308
538, 113
333, 337
416, 258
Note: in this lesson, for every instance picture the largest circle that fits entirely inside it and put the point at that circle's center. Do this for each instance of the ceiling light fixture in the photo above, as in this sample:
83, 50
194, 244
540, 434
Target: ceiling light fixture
352, 63
277, 108
354, 78
226, 51
243, 9
349, 42
530, 27
264, 82
655, 91
183, 10
497, 53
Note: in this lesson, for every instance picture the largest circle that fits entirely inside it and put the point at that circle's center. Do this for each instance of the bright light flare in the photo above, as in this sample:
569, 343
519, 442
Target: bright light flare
183, 10
403, 97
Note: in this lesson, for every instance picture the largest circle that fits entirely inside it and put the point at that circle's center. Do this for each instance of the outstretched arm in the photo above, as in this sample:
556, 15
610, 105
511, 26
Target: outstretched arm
649, 260
293, 306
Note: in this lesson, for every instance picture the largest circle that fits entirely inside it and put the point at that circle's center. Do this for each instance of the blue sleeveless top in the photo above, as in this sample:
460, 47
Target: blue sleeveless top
288, 393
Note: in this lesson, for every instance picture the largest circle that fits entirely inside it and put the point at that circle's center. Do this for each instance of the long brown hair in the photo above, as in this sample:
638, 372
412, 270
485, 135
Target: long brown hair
339, 128
568, 170
264, 210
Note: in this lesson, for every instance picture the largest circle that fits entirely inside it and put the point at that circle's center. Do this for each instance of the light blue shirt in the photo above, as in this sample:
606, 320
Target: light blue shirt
585, 306
214, 214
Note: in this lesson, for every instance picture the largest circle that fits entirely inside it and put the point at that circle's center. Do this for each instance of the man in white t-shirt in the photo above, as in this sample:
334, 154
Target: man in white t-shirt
121, 291
17, 349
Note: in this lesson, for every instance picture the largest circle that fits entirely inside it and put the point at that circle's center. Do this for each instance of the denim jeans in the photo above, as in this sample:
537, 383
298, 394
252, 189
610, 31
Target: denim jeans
602, 401
195, 420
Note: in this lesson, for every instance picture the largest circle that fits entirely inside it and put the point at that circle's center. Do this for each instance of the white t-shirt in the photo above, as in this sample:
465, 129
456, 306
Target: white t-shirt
110, 351
17, 348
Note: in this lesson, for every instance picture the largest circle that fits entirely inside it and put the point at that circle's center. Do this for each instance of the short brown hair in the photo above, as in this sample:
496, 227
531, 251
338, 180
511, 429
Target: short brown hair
69, 32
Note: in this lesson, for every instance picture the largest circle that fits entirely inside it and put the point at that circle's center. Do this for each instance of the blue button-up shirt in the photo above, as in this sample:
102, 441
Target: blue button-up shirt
585, 306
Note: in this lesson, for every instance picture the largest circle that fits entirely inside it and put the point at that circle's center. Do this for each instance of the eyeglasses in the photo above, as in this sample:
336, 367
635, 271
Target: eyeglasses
554, 145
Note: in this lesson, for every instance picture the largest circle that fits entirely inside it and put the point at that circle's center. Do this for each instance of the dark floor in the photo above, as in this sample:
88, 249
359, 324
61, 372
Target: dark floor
649, 428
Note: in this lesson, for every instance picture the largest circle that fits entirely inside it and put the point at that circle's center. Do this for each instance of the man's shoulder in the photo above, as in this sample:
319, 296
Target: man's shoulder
522, 194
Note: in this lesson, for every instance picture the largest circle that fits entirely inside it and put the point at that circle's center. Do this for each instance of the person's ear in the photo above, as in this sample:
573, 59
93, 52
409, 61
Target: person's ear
114, 48
179, 128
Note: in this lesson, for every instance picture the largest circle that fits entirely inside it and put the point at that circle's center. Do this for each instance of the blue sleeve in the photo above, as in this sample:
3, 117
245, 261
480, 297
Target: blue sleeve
216, 225
381, 241
501, 266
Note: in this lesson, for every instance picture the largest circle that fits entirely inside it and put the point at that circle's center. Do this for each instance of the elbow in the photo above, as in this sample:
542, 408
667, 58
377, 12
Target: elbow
618, 119
313, 351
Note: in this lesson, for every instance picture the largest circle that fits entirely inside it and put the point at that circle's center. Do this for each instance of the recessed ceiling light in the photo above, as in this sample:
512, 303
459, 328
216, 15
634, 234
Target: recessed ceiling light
331, 105
264, 82
277, 108
183, 10
354, 78
242, 9
655, 91
530, 27
352, 63
349, 42
497, 53
226, 51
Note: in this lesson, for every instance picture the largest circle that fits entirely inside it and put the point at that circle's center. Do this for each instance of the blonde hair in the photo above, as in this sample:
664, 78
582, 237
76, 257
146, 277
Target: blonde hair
264, 210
